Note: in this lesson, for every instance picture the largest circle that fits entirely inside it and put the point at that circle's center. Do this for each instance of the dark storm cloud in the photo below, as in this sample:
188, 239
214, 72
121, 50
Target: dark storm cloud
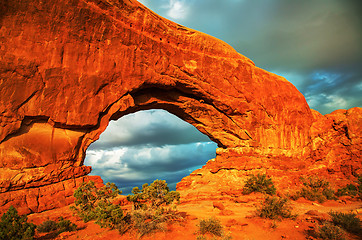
306, 35
169, 158
156, 128
295, 39
277, 34
133, 166
148, 145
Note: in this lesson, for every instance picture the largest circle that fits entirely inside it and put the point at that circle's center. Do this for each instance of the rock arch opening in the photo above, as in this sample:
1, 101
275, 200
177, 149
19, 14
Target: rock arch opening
147, 145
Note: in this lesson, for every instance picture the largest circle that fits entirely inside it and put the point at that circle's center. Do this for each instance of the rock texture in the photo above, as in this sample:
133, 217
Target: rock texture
333, 153
69, 67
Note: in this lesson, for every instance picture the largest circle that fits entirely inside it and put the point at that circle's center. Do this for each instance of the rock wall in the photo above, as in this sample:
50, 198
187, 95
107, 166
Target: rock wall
68, 67
333, 153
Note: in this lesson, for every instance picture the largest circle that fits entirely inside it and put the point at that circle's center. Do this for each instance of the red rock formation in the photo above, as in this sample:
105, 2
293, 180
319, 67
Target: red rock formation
333, 153
68, 67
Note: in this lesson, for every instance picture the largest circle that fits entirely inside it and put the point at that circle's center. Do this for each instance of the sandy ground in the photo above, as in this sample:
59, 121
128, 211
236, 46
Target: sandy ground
238, 219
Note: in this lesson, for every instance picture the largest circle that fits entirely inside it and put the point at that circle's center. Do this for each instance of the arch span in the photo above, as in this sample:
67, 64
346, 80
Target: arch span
71, 66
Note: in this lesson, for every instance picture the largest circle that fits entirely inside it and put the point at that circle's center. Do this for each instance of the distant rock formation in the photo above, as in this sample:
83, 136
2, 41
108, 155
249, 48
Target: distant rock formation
69, 67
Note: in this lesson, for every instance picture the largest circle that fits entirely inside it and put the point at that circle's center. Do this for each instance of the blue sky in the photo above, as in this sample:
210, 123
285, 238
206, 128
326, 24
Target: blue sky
315, 44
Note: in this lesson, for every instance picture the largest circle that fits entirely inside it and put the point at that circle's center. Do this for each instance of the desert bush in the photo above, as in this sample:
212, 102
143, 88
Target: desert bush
352, 190
65, 226
149, 214
137, 198
95, 204
203, 237
147, 217
47, 226
329, 231
146, 222
211, 226
108, 214
348, 221
359, 186
349, 190
154, 195
91, 203
150, 220
259, 183
315, 189
61, 226
275, 208
15, 227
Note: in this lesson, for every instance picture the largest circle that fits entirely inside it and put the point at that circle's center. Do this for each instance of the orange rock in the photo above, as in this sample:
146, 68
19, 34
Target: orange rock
218, 205
68, 67
45, 197
226, 212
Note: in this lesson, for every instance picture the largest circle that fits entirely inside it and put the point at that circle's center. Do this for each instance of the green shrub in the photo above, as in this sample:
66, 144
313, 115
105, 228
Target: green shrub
316, 189
65, 226
349, 190
61, 226
211, 226
154, 195
95, 204
201, 237
259, 183
124, 225
147, 222
348, 221
108, 214
329, 231
225, 237
14, 227
275, 208
47, 226
149, 215
91, 203
359, 186
352, 189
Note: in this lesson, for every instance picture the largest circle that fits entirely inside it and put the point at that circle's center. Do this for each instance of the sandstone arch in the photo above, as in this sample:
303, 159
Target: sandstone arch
68, 67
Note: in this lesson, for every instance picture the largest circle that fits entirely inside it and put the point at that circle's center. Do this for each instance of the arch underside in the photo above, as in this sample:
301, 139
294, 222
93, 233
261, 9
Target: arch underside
58, 151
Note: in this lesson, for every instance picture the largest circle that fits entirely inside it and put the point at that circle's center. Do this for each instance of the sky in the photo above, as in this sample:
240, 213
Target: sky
147, 145
314, 44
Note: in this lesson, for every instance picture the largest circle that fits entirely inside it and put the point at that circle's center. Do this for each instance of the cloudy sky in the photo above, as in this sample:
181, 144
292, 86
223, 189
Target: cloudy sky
315, 44
148, 145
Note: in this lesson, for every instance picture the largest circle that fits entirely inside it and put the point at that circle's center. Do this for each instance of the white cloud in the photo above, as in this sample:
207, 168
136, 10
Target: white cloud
177, 9
336, 102
105, 159
359, 86
327, 103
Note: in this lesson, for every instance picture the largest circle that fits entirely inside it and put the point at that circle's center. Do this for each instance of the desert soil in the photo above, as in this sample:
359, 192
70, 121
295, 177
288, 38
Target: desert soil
238, 218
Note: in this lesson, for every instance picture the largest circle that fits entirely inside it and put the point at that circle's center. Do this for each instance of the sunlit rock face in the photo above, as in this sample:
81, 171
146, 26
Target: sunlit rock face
68, 67
333, 153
